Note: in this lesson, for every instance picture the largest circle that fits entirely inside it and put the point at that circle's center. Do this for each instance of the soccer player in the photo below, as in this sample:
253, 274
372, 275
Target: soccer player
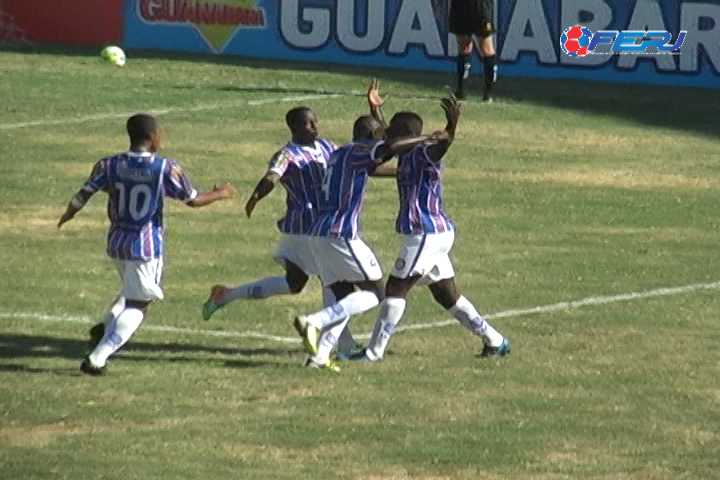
428, 234
299, 167
136, 182
472, 20
344, 260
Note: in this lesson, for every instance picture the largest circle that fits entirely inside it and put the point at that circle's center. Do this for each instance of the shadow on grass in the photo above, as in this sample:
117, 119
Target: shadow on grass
16, 367
684, 109
16, 346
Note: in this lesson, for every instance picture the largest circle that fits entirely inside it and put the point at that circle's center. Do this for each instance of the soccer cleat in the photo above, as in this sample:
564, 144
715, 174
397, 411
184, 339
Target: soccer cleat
214, 302
499, 351
460, 94
310, 334
487, 98
345, 355
330, 366
88, 368
97, 332
365, 356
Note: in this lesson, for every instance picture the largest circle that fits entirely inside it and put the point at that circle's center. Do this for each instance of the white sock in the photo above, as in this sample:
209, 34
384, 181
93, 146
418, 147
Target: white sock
391, 312
116, 309
115, 337
466, 314
329, 339
346, 342
354, 304
263, 288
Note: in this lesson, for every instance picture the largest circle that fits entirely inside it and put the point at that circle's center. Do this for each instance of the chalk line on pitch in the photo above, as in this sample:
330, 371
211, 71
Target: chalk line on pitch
553, 307
167, 110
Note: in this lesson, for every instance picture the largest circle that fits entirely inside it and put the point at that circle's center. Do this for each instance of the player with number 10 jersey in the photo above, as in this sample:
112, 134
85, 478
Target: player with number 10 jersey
136, 182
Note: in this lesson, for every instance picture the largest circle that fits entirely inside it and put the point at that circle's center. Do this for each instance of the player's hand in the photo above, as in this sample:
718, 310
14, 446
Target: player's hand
373, 94
452, 108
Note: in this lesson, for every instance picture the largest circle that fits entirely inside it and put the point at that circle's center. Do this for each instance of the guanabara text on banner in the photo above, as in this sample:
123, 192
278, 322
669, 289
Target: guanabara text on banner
413, 35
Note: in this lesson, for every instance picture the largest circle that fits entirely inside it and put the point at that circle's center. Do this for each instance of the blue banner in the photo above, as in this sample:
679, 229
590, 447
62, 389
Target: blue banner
413, 34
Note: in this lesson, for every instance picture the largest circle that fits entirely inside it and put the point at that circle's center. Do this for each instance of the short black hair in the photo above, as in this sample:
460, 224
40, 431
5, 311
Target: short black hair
410, 123
365, 128
293, 117
140, 127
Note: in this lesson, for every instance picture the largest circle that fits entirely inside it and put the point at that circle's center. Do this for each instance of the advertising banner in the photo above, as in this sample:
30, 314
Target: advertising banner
79, 22
413, 34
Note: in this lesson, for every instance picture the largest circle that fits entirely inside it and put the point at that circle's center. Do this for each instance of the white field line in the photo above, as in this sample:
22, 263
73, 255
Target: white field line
553, 307
166, 110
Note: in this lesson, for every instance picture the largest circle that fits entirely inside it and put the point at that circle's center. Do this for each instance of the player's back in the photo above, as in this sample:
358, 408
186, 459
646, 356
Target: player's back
301, 169
136, 184
419, 181
343, 190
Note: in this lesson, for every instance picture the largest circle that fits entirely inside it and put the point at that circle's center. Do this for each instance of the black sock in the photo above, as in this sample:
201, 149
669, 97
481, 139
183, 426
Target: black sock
463, 71
490, 71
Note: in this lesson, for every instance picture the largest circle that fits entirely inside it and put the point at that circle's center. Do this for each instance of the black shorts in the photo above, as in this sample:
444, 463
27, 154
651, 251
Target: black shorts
472, 17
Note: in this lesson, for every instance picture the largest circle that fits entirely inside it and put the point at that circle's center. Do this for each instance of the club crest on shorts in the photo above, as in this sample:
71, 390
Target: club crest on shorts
400, 264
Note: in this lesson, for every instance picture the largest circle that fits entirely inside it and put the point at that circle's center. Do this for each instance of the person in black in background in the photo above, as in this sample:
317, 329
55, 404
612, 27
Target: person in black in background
471, 21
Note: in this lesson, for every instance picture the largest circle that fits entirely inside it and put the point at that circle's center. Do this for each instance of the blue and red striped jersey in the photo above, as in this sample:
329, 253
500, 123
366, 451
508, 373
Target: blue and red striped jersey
343, 190
301, 169
421, 194
136, 184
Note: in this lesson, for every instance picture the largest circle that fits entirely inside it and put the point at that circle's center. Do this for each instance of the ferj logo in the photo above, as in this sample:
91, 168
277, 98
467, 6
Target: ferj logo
578, 41
216, 21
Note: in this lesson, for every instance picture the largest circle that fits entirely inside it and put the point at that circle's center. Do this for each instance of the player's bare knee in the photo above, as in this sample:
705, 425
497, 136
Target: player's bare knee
295, 278
375, 287
487, 48
296, 284
464, 43
445, 293
398, 287
341, 289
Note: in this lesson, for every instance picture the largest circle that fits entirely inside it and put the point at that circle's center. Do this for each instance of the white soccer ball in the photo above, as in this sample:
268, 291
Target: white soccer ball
114, 55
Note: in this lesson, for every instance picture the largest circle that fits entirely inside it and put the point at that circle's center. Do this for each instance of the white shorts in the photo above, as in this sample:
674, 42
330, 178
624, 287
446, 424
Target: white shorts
141, 280
341, 260
296, 249
425, 255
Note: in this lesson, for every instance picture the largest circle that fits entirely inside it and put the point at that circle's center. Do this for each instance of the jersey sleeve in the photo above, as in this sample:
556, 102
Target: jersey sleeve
365, 157
279, 162
98, 180
424, 155
176, 183
374, 154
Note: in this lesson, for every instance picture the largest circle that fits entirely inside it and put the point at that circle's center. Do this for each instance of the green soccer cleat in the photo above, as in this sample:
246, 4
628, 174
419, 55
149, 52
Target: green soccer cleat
309, 334
345, 355
365, 355
330, 366
214, 302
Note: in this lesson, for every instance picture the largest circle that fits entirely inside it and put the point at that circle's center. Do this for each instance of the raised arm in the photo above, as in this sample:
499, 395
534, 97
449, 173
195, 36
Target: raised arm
453, 109
263, 188
375, 101
384, 151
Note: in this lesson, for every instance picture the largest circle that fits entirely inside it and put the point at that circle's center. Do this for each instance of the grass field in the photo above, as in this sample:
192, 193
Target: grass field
560, 191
